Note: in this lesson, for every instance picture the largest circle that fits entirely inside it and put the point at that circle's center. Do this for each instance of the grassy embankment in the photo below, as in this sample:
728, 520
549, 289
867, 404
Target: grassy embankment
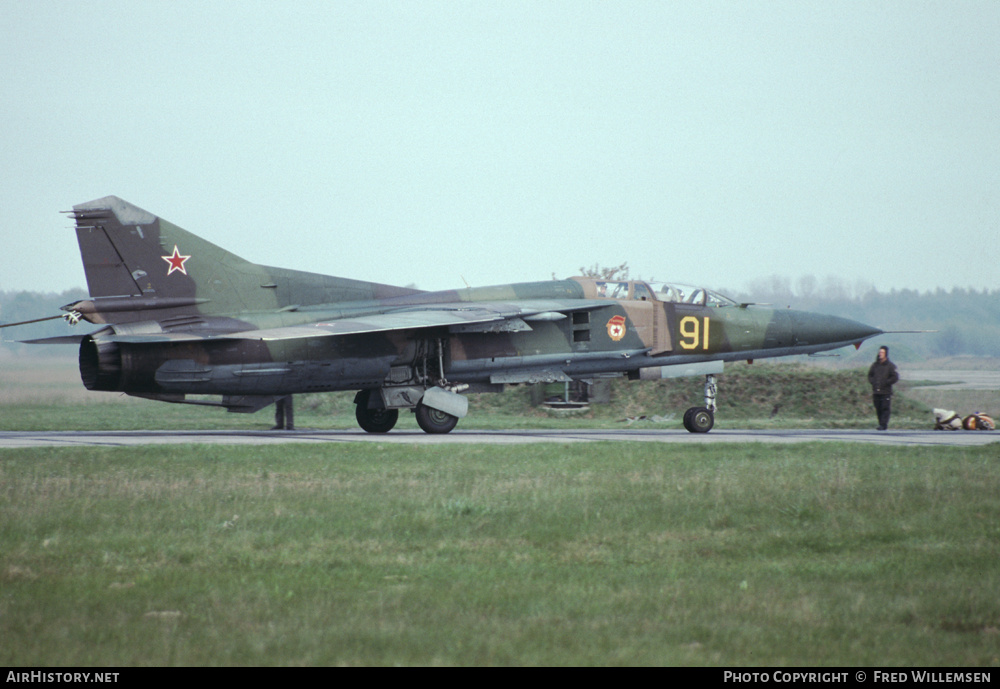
45, 394
551, 554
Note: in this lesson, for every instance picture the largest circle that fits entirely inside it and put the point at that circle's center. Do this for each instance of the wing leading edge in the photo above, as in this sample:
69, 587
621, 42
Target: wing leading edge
457, 317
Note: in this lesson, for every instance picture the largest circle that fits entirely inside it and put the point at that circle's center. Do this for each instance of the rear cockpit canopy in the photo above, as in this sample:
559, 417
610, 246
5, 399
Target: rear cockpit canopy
685, 294
640, 290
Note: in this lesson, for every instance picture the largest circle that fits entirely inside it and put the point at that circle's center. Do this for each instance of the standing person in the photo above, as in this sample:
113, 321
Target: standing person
882, 375
284, 414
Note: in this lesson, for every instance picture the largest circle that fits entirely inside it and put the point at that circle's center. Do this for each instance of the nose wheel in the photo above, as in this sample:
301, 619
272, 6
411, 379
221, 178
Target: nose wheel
701, 419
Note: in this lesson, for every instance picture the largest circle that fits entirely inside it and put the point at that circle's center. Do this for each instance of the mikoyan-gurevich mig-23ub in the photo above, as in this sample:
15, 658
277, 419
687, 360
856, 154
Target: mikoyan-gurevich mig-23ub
181, 316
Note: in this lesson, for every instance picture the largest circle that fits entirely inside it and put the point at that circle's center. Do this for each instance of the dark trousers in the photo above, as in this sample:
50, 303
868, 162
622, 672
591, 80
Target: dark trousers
883, 408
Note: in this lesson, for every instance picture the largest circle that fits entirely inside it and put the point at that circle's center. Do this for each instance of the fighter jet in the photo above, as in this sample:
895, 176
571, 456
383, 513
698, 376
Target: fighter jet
182, 317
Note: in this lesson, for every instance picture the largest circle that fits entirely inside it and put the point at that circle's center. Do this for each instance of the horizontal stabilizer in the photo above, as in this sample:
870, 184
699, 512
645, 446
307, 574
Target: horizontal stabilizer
241, 404
58, 340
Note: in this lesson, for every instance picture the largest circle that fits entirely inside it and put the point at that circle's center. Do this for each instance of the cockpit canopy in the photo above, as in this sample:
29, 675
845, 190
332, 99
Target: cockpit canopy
640, 290
685, 294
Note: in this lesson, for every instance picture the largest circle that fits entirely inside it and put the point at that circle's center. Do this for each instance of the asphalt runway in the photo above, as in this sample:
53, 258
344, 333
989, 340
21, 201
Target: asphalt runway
954, 380
961, 379
907, 438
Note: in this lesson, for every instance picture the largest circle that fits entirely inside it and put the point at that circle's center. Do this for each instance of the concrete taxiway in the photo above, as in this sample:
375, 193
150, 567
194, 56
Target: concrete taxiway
908, 438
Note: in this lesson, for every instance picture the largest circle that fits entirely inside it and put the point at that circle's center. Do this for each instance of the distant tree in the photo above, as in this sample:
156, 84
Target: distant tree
806, 286
950, 341
862, 287
772, 289
606, 272
834, 289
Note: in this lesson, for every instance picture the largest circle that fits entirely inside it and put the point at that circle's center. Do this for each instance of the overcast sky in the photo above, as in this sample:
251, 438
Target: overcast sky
443, 143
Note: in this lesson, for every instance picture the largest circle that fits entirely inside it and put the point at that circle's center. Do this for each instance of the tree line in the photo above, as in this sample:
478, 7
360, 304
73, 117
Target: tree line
967, 321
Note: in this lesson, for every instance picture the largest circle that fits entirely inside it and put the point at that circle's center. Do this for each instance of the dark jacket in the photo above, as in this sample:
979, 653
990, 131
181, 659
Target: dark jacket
882, 375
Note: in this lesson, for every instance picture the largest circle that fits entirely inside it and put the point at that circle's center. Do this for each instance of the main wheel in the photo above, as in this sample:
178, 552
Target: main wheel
699, 420
374, 420
434, 420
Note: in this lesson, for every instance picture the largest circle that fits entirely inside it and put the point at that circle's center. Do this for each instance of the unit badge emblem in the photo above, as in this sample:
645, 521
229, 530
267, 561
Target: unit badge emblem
616, 328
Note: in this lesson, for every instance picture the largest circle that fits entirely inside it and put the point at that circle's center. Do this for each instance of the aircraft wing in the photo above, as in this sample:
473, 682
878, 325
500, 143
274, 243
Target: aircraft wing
457, 317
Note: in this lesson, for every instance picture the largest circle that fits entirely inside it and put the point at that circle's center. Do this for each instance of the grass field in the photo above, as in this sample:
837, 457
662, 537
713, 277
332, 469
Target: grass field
535, 555
582, 554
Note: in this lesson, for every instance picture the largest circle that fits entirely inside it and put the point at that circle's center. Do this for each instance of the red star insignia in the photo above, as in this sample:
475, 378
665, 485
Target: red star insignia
176, 261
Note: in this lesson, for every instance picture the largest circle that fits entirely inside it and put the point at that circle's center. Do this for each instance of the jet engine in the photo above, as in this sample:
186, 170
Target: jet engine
106, 364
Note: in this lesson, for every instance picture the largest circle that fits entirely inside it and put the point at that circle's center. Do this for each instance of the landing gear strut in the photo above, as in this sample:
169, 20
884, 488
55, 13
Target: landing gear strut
436, 403
701, 419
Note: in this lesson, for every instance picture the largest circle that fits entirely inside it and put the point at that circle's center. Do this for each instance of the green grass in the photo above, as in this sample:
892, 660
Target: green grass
620, 554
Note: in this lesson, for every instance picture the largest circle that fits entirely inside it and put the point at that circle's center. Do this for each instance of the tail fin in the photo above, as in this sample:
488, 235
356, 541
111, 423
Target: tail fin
129, 252
131, 256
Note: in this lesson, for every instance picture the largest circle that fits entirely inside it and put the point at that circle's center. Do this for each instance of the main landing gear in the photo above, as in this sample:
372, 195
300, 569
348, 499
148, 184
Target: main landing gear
437, 409
701, 419
434, 420
421, 388
374, 420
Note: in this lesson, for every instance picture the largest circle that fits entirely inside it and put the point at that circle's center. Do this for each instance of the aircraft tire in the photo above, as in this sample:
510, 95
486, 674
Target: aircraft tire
374, 420
434, 421
699, 420
687, 418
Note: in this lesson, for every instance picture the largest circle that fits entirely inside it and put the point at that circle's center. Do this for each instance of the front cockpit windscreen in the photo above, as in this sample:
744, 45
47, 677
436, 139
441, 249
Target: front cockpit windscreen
686, 294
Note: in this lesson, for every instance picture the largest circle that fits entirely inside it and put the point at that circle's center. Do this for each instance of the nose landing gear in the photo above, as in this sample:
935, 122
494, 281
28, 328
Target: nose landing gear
702, 419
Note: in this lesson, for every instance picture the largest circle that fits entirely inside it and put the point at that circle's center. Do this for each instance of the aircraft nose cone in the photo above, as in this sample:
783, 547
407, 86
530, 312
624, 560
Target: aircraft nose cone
818, 329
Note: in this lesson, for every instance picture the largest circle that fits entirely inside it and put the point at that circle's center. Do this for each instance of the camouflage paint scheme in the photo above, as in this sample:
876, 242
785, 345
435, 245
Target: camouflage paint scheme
183, 317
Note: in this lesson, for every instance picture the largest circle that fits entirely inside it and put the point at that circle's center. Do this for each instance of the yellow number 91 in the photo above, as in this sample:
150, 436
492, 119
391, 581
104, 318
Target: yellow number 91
692, 332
